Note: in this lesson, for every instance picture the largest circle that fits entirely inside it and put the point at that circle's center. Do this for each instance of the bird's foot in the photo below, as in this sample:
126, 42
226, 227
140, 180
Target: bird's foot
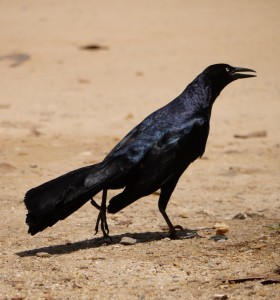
101, 220
178, 232
102, 223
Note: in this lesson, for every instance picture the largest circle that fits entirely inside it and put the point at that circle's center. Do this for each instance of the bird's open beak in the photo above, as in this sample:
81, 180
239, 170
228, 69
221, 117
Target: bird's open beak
236, 73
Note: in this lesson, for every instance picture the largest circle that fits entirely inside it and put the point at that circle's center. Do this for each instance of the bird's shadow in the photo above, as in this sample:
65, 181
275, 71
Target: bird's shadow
67, 248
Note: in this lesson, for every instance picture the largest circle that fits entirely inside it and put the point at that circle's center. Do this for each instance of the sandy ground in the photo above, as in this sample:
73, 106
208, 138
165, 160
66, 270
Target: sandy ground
63, 107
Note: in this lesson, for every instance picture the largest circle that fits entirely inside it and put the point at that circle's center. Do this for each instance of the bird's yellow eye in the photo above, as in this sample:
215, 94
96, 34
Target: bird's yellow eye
227, 69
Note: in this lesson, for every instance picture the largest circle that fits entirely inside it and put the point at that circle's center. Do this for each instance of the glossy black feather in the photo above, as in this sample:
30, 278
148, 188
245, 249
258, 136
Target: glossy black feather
151, 156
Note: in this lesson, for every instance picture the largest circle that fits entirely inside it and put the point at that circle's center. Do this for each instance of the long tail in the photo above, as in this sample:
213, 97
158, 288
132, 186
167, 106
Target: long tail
57, 199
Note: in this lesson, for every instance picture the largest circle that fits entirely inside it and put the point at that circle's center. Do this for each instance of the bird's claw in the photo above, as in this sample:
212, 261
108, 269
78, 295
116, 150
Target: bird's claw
179, 227
101, 220
178, 232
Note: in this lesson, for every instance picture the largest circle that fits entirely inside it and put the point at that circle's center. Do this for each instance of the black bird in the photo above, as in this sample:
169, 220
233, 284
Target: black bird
150, 157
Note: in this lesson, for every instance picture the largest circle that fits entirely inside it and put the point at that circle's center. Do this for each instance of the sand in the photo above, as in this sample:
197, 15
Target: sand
63, 106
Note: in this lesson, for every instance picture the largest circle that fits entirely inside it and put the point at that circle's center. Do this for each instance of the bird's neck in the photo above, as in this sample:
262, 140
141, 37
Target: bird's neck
199, 94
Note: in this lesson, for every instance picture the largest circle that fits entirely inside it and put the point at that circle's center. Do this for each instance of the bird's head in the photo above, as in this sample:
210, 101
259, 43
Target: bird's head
221, 75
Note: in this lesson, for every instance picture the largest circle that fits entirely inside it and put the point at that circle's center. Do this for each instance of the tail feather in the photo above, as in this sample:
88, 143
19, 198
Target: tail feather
57, 199
45, 197
38, 223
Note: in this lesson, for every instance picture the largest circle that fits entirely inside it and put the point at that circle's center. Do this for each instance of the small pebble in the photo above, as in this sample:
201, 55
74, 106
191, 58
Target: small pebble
221, 228
217, 238
220, 297
176, 263
240, 216
184, 214
258, 246
7, 167
86, 153
128, 241
208, 212
43, 254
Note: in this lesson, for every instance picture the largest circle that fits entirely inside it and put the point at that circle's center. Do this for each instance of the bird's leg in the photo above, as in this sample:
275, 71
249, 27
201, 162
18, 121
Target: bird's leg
172, 228
93, 203
165, 194
104, 225
101, 219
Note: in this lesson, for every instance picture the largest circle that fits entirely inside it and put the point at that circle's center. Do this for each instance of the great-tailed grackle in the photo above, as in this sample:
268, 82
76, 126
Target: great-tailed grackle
150, 157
